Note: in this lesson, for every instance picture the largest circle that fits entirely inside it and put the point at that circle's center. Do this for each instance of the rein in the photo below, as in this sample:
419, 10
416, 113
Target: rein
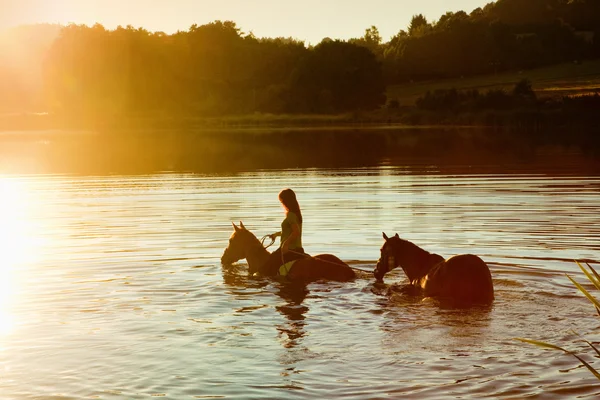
328, 262
262, 241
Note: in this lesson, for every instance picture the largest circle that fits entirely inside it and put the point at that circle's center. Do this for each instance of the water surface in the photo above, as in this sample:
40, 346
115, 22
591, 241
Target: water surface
112, 286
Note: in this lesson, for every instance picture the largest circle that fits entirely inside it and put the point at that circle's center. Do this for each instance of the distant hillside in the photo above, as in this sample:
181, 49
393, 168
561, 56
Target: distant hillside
505, 35
554, 81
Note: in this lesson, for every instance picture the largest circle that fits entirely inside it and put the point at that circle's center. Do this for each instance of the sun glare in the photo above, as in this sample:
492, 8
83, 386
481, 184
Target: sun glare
13, 246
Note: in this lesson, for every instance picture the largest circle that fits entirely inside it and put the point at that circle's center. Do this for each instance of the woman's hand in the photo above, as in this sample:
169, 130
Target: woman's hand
274, 236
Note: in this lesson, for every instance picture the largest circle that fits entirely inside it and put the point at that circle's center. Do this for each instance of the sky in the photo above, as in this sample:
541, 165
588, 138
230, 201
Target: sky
308, 20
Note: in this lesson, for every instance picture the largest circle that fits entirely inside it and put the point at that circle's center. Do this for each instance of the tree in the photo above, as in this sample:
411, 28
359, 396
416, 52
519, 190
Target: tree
393, 56
372, 36
524, 90
337, 77
371, 40
525, 14
451, 20
418, 25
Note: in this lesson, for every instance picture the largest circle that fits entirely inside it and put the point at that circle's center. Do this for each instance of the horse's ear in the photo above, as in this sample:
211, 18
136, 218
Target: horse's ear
385, 237
397, 236
235, 227
242, 225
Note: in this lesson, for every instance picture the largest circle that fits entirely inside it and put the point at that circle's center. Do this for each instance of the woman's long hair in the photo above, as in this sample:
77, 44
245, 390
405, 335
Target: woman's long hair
288, 199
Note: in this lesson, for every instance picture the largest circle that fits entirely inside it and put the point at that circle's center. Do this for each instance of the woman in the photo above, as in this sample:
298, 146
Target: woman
290, 248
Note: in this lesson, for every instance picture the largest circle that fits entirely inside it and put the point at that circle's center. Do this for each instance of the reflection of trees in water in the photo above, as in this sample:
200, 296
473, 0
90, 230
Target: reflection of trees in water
231, 151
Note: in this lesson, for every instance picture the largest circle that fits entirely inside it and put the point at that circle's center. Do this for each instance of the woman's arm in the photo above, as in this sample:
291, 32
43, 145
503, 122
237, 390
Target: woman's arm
275, 235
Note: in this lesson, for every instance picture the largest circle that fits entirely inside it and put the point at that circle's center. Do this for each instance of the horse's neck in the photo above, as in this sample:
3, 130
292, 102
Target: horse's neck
256, 256
416, 262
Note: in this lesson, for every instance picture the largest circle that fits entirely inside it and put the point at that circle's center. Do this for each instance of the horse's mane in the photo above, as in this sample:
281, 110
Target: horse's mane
408, 252
249, 235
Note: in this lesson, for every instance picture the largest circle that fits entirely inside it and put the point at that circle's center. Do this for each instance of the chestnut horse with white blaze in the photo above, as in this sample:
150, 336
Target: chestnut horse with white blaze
465, 277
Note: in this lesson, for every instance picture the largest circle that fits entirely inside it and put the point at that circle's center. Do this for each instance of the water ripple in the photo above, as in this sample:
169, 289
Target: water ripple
113, 287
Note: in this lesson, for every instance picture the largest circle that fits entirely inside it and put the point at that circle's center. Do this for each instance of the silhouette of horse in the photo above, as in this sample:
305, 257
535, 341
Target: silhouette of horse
244, 245
464, 278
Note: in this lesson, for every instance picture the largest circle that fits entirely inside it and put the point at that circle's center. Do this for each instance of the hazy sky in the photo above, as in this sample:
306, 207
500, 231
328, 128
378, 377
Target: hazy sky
309, 20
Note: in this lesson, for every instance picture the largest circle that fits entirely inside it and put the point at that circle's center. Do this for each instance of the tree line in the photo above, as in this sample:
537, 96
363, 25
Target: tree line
213, 69
216, 69
504, 35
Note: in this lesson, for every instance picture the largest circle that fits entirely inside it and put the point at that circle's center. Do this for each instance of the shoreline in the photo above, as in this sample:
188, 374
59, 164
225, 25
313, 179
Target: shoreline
413, 119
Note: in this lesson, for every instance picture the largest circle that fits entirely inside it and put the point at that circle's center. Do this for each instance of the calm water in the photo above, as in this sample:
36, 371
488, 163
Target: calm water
112, 286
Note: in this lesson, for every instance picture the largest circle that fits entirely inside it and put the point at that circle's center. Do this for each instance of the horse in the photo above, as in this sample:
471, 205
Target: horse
464, 278
243, 244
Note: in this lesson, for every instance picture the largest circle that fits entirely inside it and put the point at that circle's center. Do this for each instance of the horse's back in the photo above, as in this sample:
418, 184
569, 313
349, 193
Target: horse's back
465, 277
322, 266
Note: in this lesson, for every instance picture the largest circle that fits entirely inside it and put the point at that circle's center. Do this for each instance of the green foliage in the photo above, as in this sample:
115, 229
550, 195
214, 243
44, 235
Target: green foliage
594, 278
372, 40
590, 102
507, 34
553, 347
523, 89
418, 25
472, 100
213, 69
372, 36
338, 76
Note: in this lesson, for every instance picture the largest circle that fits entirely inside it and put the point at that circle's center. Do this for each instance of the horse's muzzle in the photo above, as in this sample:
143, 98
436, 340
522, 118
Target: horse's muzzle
225, 260
379, 272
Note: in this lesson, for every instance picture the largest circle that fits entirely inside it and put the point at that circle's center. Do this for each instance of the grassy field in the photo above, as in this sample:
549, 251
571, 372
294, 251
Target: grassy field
554, 81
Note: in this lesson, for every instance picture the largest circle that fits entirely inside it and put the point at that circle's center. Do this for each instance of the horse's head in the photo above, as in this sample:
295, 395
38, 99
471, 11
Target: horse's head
238, 244
387, 260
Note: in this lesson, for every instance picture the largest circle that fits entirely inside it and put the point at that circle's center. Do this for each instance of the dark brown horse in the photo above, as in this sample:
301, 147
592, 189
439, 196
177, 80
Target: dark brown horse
244, 245
464, 278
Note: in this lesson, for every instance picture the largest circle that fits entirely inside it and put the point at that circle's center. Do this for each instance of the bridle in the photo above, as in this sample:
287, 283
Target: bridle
390, 262
387, 262
262, 241
251, 247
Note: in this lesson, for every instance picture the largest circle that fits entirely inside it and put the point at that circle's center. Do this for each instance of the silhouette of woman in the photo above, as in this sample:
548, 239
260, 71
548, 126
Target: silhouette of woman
290, 248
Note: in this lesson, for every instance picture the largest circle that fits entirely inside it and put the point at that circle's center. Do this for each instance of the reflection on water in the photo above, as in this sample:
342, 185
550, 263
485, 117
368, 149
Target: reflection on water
112, 286
15, 246
292, 331
222, 151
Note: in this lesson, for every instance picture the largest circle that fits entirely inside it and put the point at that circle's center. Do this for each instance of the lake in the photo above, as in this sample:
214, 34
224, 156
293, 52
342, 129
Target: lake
112, 286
